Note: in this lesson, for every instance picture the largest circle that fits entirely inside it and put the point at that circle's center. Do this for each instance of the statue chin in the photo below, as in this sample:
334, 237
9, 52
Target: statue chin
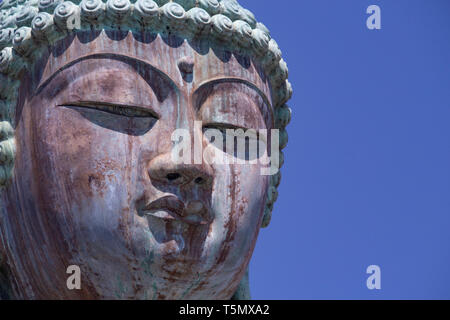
94, 184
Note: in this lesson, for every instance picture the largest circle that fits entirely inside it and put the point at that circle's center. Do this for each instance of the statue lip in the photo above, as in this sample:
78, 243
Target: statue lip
171, 208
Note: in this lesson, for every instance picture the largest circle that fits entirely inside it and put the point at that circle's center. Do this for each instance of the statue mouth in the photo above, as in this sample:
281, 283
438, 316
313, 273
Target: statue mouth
170, 208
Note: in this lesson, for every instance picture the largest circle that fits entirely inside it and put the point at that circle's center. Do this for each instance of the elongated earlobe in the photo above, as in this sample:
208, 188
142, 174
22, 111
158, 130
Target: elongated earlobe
243, 291
5, 278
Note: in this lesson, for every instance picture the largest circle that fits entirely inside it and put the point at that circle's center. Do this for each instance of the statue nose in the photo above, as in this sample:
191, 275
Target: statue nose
163, 169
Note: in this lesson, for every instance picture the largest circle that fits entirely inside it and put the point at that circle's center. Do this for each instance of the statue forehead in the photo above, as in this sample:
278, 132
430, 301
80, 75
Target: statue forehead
163, 54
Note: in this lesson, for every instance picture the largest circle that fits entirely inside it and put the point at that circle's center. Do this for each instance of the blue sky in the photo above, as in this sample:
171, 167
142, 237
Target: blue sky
367, 173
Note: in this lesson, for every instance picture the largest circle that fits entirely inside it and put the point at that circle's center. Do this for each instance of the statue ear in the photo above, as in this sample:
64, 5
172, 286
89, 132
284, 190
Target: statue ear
6, 292
5, 278
7, 151
8, 100
272, 195
243, 290
267, 217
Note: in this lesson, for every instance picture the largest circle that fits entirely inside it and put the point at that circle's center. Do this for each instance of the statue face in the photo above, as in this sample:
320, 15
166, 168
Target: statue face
95, 185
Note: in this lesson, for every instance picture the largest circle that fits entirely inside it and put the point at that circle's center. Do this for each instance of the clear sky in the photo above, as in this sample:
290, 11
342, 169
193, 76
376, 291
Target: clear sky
367, 173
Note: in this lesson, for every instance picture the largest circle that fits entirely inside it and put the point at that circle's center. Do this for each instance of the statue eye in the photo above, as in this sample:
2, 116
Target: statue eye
229, 130
242, 143
126, 119
117, 109
222, 127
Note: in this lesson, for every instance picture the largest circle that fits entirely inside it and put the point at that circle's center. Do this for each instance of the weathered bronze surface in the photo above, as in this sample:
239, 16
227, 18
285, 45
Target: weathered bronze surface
93, 184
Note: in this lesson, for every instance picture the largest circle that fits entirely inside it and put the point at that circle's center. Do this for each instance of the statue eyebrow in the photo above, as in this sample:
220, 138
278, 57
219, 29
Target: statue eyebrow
235, 80
119, 57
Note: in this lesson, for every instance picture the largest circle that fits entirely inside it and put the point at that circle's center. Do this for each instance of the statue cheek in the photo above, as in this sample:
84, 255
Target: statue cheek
70, 153
238, 204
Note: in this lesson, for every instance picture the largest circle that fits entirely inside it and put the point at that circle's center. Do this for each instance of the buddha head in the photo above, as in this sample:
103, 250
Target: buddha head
91, 96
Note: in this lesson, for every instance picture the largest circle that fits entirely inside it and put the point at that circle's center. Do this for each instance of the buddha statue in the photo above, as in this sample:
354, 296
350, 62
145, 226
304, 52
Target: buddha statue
90, 95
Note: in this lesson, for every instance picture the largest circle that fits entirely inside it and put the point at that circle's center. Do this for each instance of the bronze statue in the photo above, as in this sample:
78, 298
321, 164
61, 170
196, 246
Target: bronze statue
90, 95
